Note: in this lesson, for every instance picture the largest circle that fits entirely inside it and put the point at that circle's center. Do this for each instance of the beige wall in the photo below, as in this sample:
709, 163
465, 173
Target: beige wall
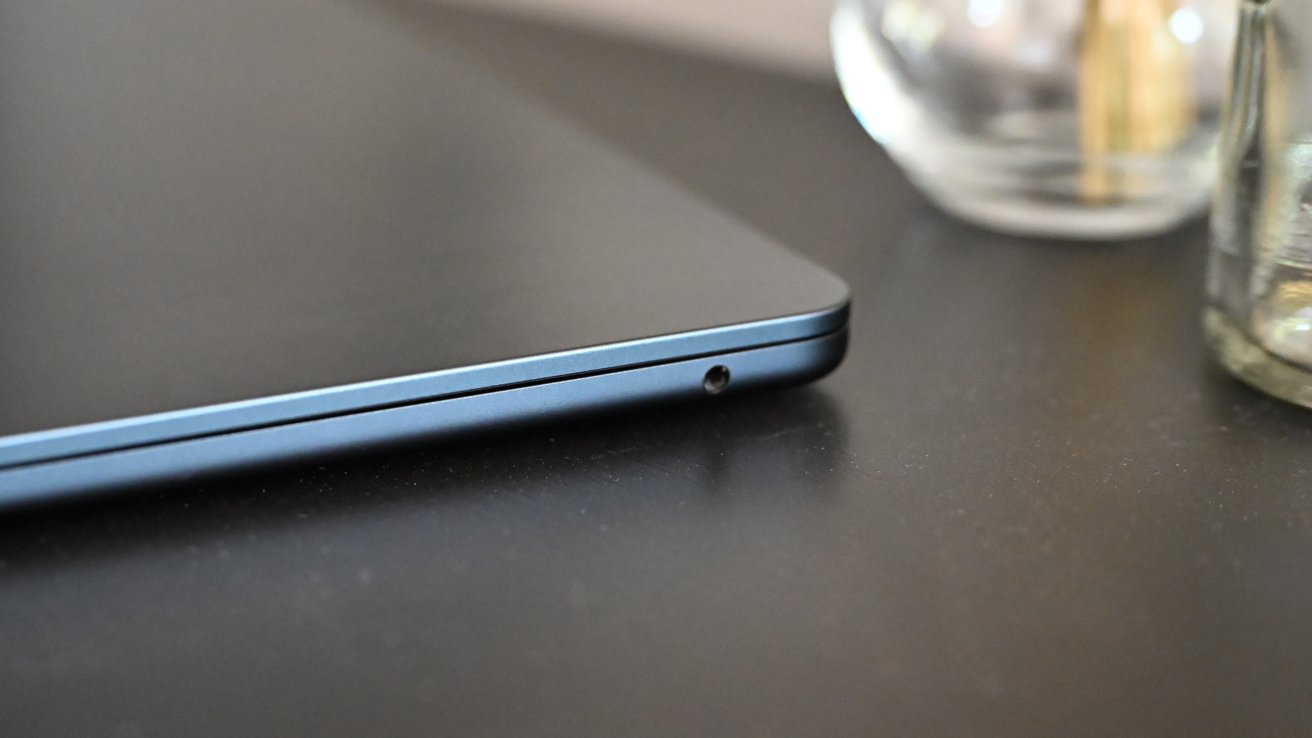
783, 34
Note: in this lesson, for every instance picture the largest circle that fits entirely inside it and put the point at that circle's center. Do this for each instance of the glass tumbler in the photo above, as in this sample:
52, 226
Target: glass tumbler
1085, 119
1259, 320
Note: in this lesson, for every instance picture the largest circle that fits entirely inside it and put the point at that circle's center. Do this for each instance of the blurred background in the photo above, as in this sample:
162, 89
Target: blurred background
783, 35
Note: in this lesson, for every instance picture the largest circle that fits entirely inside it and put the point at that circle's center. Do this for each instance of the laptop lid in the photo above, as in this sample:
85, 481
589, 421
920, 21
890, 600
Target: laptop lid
215, 204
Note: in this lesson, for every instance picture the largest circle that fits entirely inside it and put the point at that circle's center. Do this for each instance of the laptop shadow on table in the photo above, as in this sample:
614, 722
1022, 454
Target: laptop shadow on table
713, 452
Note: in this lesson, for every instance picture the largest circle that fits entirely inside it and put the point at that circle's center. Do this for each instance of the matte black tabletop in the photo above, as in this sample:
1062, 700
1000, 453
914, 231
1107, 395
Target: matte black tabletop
1026, 505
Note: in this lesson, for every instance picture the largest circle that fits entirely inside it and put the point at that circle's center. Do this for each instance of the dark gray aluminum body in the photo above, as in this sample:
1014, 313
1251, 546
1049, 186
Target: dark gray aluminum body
240, 231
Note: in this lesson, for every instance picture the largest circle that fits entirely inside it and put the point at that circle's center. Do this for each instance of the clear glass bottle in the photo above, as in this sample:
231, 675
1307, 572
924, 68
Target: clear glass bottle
1075, 118
1260, 273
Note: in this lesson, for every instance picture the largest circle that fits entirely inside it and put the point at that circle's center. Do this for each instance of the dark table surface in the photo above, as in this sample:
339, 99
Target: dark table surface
1026, 505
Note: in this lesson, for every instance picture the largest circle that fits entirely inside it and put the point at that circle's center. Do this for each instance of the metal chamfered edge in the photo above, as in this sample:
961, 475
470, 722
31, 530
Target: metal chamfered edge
48, 445
175, 460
